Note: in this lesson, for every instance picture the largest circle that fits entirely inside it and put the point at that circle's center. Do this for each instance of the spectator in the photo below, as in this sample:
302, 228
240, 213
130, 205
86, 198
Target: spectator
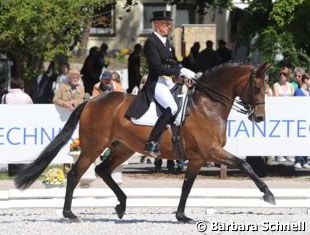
298, 72
105, 85
91, 69
63, 75
283, 88
268, 91
207, 58
71, 94
116, 80
43, 92
191, 60
102, 62
173, 167
303, 90
223, 53
16, 94
134, 63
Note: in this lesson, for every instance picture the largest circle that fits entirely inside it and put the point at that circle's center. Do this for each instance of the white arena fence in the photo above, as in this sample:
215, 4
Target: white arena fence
209, 198
25, 130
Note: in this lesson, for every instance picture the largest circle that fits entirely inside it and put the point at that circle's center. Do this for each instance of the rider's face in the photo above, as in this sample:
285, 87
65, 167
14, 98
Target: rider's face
162, 27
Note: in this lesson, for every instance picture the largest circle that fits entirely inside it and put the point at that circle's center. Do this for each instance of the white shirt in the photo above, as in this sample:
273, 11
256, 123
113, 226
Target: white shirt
16, 96
161, 38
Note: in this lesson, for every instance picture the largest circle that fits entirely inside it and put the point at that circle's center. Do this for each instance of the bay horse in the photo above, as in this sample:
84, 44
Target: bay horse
203, 134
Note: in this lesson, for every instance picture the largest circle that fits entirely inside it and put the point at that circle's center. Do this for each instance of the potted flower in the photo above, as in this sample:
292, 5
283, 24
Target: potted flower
89, 176
54, 177
75, 145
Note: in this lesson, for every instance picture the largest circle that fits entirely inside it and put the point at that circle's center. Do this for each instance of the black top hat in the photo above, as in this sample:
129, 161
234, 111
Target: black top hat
161, 15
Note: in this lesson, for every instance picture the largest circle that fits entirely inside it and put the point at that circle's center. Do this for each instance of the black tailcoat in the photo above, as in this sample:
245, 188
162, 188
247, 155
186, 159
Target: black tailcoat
161, 62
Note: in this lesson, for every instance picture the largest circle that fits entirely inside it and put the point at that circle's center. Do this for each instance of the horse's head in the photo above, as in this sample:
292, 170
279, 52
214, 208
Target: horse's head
253, 96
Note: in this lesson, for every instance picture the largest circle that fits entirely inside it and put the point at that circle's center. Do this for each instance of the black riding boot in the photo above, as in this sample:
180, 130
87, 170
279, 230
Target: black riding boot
152, 142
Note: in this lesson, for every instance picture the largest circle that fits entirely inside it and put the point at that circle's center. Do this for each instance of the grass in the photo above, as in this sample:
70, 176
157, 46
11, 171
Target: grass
5, 176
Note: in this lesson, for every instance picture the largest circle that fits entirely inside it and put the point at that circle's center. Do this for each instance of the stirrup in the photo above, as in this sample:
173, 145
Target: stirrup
152, 148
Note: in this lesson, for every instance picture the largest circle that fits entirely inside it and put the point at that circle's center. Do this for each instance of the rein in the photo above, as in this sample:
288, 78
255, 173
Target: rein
246, 107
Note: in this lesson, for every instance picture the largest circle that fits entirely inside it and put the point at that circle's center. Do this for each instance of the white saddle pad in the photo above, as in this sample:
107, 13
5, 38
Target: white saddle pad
150, 117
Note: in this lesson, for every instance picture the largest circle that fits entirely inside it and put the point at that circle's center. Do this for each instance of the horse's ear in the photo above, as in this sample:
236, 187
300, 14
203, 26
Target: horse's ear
263, 68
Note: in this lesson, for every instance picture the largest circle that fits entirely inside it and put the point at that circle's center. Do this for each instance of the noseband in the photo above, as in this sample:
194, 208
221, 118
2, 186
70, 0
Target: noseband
249, 107
240, 106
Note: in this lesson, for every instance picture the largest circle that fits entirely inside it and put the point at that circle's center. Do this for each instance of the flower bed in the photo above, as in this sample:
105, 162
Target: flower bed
54, 176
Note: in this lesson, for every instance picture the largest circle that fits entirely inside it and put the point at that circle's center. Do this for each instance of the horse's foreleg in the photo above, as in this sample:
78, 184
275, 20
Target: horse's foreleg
225, 157
119, 154
193, 168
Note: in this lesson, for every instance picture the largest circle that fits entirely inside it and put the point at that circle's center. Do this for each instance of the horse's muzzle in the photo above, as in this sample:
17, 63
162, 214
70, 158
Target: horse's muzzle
259, 118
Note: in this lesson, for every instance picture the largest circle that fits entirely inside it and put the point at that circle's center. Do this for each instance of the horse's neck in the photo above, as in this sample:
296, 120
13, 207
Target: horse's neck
211, 105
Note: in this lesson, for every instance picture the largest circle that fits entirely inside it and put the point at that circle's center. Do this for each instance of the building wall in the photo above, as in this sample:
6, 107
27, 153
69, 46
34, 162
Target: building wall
129, 29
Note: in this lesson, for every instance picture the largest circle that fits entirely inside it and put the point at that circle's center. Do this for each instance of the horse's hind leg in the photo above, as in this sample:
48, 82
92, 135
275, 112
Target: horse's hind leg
73, 177
119, 154
225, 157
193, 168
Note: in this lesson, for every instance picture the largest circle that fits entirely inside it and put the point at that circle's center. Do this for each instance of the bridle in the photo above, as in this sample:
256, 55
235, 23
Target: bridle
240, 106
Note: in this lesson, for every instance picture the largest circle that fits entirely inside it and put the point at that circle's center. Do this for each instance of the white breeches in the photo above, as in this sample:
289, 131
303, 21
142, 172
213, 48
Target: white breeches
163, 95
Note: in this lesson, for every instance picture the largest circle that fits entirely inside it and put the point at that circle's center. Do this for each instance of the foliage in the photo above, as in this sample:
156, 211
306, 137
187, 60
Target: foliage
54, 176
33, 31
203, 6
281, 26
279, 32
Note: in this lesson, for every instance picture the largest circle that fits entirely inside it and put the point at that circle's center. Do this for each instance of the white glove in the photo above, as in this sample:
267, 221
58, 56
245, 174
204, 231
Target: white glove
188, 73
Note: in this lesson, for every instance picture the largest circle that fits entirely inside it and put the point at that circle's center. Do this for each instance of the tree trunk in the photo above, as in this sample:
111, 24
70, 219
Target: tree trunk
84, 41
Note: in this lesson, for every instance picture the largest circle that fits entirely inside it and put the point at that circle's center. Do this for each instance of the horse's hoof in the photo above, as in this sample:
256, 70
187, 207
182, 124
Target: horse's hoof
269, 198
72, 217
120, 211
181, 217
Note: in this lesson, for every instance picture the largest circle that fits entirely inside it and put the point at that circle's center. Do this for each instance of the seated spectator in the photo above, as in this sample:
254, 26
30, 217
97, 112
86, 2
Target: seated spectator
268, 91
283, 87
63, 75
105, 85
303, 90
116, 80
16, 94
71, 94
298, 72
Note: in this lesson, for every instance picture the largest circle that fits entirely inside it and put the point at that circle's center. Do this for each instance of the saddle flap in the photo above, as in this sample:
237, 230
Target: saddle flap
154, 111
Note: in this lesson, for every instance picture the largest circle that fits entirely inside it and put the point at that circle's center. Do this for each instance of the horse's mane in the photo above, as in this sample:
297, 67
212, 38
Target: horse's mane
211, 73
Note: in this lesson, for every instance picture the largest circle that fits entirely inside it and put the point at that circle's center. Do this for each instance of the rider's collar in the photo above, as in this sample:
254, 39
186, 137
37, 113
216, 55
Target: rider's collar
163, 39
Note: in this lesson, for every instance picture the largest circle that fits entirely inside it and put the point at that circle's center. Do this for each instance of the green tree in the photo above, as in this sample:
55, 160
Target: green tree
282, 27
34, 31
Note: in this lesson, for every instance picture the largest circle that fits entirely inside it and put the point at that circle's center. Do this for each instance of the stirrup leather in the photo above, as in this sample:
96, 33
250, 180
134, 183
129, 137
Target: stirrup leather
152, 147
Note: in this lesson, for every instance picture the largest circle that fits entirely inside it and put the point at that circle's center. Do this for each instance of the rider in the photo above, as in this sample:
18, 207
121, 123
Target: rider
162, 67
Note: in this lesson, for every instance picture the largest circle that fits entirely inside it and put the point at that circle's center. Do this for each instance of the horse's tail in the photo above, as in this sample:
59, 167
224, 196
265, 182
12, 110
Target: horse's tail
32, 171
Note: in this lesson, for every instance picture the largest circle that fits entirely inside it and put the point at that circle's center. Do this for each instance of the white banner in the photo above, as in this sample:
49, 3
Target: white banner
26, 129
